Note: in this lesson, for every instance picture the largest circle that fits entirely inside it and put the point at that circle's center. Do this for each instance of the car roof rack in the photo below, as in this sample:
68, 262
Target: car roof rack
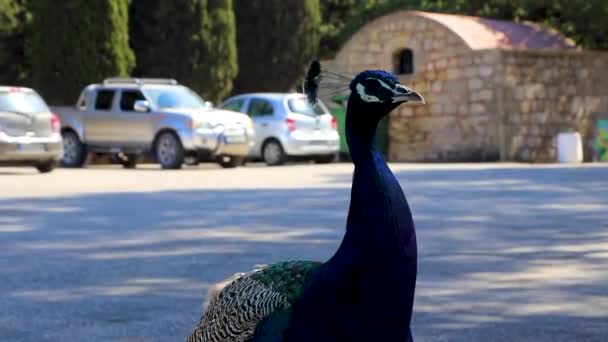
139, 81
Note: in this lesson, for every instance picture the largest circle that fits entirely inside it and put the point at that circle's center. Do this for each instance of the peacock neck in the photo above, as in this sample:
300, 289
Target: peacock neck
373, 272
379, 210
360, 133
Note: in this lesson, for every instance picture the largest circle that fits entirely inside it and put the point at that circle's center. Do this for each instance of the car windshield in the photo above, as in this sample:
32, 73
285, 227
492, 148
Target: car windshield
22, 102
301, 105
174, 97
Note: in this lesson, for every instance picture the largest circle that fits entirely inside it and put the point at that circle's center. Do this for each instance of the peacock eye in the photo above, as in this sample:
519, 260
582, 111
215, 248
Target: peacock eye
373, 86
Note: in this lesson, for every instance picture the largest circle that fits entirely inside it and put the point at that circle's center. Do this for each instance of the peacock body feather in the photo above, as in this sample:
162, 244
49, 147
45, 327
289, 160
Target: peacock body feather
235, 312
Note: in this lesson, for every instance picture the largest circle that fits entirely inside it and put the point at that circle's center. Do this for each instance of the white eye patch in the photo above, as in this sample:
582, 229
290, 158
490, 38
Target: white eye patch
371, 98
363, 95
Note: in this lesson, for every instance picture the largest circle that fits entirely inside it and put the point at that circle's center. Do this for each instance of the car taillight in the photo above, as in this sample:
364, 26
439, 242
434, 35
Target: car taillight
334, 122
291, 124
55, 123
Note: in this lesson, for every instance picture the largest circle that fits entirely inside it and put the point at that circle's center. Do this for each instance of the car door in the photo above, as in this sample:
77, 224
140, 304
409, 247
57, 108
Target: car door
235, 105
138, 127
261, 112
98, 119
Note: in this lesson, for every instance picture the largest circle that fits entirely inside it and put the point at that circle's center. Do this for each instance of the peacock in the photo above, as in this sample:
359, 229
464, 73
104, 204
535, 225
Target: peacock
365, 291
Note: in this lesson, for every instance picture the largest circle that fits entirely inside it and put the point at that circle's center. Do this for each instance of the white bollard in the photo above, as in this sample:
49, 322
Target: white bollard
569, 147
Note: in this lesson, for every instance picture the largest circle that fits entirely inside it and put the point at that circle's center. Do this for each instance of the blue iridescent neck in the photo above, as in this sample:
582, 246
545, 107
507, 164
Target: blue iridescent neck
360, 130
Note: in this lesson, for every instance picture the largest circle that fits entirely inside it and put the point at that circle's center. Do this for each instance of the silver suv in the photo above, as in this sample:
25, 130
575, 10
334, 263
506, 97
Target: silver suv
29, 132
129, 118
286, 125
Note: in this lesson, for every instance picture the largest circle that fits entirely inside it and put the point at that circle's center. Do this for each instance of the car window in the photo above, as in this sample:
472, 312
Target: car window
22, 102
174, 97
260, 107
234, 105
82, 101
302, 106
104, 98
128, 98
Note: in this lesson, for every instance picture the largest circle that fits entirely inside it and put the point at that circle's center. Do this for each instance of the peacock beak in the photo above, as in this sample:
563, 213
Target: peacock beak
405, 94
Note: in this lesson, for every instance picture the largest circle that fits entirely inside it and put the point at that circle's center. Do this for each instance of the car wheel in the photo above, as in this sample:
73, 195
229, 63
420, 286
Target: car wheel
74, 151
330, 158
46, 167
227, 161
273, 153
169, 151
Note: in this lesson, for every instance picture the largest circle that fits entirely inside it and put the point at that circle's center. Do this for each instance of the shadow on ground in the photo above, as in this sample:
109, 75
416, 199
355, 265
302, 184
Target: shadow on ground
505, 255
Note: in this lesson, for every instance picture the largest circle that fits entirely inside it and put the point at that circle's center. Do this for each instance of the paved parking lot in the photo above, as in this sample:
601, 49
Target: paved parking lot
507, 252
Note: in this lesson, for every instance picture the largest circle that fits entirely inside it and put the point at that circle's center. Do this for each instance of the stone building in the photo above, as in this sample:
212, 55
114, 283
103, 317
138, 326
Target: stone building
495, 90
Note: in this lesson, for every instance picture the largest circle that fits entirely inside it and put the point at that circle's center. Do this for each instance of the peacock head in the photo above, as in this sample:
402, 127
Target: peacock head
380, 92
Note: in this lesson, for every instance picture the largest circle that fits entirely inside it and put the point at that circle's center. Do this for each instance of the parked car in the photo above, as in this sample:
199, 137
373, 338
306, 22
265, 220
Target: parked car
287, 125
29, 132
133, 117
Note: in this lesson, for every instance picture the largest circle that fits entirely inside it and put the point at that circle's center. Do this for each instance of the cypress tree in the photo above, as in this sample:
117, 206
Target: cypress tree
13, 26
190, 40
276, 39
75, 43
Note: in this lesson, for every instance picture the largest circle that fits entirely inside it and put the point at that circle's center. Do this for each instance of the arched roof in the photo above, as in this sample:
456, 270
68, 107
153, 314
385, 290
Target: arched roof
482, 33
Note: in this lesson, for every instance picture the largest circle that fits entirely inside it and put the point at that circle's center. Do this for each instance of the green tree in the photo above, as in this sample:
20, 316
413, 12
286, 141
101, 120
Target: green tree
276, 41
193, 41
221, 49
75, 43
13, 26
582, 20
334, 14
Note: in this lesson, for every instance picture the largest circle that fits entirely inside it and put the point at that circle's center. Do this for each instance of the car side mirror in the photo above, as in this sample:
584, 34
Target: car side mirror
142, 106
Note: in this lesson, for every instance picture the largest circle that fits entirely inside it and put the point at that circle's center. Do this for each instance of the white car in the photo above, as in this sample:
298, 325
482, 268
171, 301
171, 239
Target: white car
286, 125
29, 132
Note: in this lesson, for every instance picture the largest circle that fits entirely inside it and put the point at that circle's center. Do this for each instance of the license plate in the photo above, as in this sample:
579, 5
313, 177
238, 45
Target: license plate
234, 139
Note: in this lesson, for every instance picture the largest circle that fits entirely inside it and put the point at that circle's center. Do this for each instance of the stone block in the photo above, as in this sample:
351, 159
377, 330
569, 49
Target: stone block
485, 94
475, 83
437, 87
442, 63
477, 108
540, 118
453, 74
486, 70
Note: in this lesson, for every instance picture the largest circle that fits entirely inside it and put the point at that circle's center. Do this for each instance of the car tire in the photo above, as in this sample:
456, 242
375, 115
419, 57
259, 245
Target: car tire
46, 167
273, 153
327, 159
169, 151
74, 151
229, 162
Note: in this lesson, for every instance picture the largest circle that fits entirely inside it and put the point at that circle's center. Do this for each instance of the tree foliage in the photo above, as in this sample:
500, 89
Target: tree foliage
13, 26
276, 41
334, 15
74, 43
193, 41
582, 20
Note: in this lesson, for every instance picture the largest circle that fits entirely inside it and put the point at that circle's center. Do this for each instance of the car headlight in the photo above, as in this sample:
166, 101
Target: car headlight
198, 124
249, 124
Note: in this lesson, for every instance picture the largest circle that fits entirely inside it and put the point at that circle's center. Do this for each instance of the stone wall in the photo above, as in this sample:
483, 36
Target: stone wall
457, 122
545, 93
